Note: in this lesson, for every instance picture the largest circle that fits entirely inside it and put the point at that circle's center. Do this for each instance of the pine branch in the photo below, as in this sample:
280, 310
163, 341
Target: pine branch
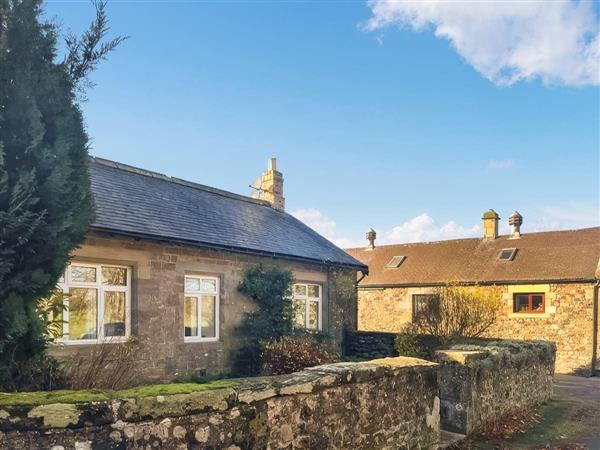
85, 52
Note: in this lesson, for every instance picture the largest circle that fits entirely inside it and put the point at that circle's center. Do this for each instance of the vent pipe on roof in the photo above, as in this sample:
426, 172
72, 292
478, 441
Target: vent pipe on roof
490, 224
515, 221
371, 235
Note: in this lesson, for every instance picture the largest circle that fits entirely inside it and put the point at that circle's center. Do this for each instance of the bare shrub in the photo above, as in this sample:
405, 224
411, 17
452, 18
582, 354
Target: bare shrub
457, 311
108, 365
290, 354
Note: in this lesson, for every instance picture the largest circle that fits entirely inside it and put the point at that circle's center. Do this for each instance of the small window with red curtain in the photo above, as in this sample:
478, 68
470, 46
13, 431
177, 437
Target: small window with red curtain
528, 303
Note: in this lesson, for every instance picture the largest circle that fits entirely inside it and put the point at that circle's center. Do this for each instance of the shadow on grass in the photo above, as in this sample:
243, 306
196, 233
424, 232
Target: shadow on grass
565, 422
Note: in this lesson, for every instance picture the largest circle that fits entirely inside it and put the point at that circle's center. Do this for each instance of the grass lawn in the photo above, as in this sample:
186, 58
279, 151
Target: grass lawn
98, 395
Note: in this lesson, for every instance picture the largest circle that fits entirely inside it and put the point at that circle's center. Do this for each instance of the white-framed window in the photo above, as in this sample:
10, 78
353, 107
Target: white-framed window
308, 305
201, 309
97, 300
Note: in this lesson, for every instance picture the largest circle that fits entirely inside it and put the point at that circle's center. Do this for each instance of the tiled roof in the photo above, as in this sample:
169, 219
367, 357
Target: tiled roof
546, 256
138, 203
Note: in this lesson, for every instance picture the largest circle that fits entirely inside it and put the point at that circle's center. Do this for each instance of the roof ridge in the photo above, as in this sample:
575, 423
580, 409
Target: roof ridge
442, 241
180, 181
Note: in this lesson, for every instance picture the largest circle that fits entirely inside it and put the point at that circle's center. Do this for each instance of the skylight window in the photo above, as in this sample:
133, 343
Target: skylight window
507, 254
395, 262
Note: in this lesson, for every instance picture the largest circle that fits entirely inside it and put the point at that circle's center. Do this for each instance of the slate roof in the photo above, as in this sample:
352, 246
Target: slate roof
541, 257
138, 203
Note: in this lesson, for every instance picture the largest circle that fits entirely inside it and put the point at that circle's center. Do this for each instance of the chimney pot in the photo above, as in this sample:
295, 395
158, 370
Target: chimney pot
272, 164
371, 236
490, 224
515, 221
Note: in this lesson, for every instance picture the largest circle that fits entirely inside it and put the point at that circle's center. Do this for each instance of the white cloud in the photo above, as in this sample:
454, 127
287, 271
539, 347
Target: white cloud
500, 165
423, 228
417, 229
325, 226
557, 42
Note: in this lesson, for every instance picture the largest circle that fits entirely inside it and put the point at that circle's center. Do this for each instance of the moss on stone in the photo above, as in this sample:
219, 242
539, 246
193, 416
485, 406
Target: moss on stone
95, 395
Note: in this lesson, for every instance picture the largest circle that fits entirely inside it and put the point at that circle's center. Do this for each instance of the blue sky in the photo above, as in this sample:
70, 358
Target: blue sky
412, 130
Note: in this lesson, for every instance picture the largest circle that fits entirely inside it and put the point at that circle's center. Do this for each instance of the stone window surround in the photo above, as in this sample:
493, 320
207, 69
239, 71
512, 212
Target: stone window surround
65, 283
549, 299
217, 294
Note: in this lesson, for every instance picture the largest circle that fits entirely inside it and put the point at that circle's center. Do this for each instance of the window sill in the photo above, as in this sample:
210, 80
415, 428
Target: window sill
543, 315
119, 340
197, 340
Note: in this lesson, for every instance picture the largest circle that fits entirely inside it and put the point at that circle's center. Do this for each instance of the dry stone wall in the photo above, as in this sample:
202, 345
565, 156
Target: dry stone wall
383, 404
481, 383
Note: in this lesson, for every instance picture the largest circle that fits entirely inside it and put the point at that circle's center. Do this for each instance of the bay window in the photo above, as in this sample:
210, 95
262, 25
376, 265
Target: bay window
307, 300
201, 309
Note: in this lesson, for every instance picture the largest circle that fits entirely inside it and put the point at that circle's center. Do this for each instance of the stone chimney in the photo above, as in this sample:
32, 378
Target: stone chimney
371, 235
271, 186
515, 221
490, 224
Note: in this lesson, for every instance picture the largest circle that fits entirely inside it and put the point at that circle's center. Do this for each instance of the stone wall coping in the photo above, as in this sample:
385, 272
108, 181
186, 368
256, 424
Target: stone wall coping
496, 351
247, 391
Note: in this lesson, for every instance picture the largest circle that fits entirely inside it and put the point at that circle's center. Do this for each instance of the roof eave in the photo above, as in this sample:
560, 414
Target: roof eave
198, 244
481, 283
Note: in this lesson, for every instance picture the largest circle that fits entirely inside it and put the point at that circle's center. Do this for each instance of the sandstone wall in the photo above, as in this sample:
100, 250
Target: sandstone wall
384, 309
158, 295
481, 383
390, 403
567, 320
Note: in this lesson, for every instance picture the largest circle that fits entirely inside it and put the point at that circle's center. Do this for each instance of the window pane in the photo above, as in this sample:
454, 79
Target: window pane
82, 274
300, 289
313, 315
83, 310
313, 290
208, 316
521, 303
114, 313
114, 276
537, 303
209, 285
51, 307
192, 284
300, 313
190, 316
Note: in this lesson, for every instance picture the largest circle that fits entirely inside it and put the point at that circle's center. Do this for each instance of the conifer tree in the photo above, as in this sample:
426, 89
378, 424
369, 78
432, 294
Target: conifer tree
45, 197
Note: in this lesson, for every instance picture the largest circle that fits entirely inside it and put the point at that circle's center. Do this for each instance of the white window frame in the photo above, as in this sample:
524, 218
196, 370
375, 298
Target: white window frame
66, 284
198, 295
307, 299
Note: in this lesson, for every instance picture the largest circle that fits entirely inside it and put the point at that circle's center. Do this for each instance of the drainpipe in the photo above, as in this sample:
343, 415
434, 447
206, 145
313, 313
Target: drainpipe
595, 329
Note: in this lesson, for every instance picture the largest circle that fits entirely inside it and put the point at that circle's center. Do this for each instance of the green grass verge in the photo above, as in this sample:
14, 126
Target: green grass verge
99, 395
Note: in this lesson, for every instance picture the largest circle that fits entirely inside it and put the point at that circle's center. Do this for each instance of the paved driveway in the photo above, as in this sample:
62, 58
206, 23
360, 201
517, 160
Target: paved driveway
584, 388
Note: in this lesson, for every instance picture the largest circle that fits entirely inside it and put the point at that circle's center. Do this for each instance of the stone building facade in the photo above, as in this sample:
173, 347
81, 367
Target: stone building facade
163, 261
157, 301
558, 268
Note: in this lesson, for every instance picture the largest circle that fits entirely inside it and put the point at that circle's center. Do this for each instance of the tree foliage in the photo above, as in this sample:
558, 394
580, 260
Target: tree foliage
456, 311
271, 290
45, 197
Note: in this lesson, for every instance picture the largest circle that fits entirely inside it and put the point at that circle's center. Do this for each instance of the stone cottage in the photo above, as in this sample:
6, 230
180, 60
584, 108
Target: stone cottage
548, 282
163, 260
